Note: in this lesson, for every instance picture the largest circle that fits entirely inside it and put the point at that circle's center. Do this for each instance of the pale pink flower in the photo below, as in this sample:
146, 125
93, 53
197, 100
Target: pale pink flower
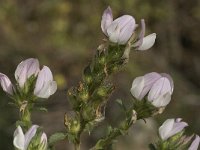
171, 127
120, 30
159, 88
21, 141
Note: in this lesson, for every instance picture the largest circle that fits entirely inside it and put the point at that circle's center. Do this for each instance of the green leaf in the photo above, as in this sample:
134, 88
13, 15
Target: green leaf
56, 137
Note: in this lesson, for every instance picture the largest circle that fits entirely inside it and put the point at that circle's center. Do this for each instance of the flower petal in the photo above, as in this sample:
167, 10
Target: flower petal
165, 129
106, 20
170, 80
121, 29
148, 42
127, 30
162, 100
141, 35
149, 80
30, 134
195, 143
160, 87
19, 138
137, 87
26, 69
113, 32
45, 86
6, 84
171, 127
177, 127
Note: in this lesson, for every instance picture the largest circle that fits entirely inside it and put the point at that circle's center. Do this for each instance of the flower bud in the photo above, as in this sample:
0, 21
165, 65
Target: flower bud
6, 84
195, 143
171, 127
120, 30
75, 126
45, 86
25, 70
158, 86
22, 141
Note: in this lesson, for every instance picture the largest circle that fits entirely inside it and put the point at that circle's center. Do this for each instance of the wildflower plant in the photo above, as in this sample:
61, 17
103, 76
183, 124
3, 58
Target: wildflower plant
151, 93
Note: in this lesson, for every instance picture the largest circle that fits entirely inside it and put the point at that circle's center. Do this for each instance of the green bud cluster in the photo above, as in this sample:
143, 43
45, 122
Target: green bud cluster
89, 98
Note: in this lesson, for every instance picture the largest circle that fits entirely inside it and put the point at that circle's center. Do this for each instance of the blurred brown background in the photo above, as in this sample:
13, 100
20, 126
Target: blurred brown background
63, 35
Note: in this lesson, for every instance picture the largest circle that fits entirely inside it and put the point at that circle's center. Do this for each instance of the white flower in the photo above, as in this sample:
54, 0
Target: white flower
171, 127
22, 141
158, 86
45, 86
120, 30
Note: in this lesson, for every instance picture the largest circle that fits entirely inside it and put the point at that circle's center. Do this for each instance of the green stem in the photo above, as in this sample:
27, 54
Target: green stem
25, 116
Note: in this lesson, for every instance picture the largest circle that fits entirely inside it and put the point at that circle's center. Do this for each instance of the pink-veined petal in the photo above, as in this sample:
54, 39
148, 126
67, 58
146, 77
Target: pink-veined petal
30, 134
149, 80
121, 29
25, 69
160, 87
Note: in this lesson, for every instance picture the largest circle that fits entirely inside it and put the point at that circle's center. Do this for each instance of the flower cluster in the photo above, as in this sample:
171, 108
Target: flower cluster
30, 79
